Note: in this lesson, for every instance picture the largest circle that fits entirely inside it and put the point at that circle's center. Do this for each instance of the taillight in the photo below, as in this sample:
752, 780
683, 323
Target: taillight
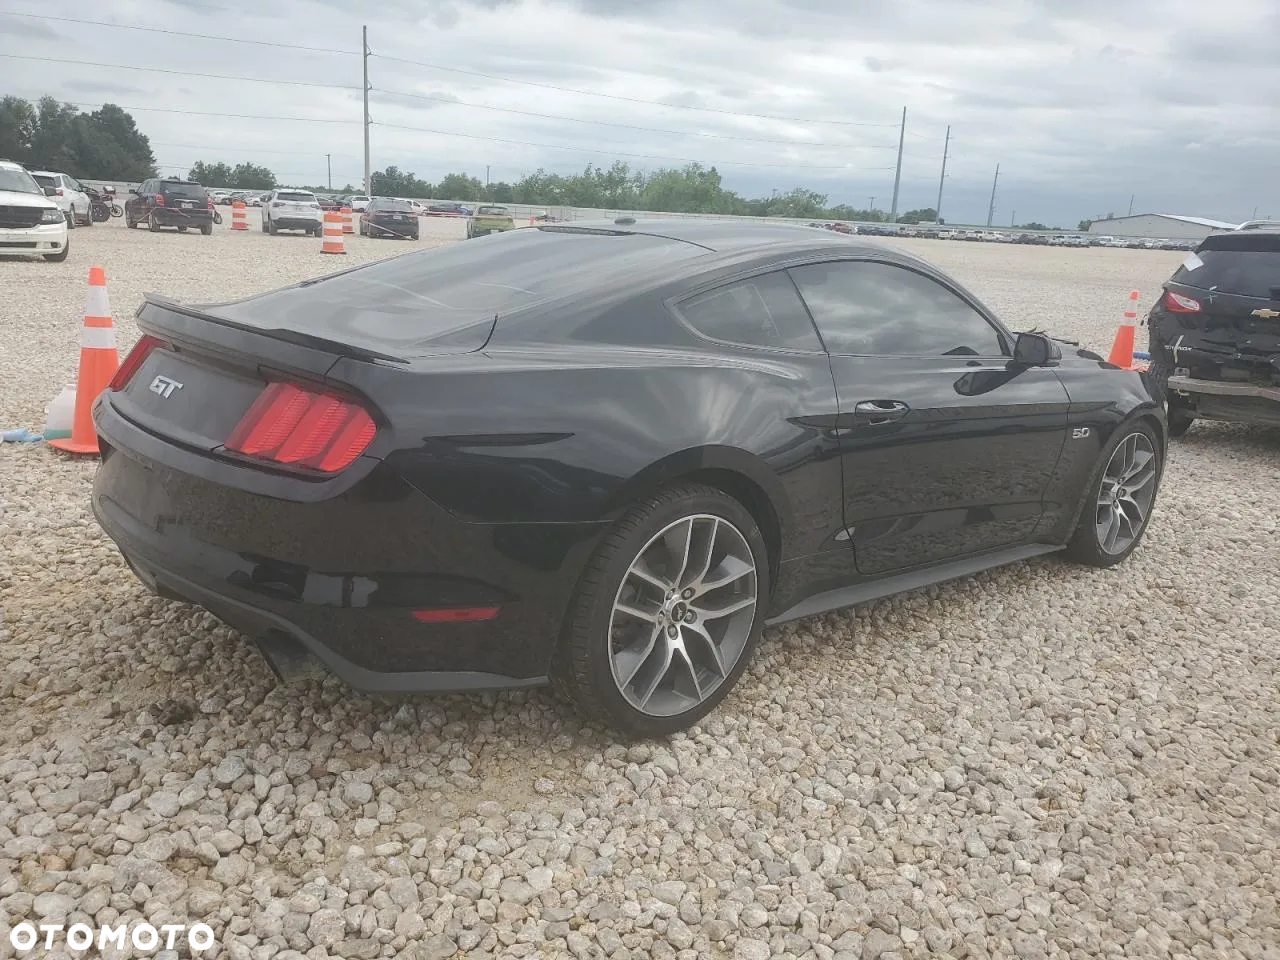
295, 425
208, 202
141, 350
58, 192
454, 614
159, 199
1177, 303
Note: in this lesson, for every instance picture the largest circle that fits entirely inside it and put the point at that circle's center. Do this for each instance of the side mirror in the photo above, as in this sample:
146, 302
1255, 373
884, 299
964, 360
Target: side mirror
1036, 350
50, 191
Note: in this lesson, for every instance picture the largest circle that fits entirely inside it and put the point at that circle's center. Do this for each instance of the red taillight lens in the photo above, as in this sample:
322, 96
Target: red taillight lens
159, 199
141, 350
294, 425
1177, 303
58, 193
208, 202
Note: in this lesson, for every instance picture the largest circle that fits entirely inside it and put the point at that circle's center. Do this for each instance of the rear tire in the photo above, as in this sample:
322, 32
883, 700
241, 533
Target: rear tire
1180, 417
272, 228
153, 224
652, 675
1119, 499
206, 229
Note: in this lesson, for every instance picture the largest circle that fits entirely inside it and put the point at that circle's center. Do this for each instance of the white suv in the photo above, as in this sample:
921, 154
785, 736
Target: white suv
30, 222
68, 195
292, 210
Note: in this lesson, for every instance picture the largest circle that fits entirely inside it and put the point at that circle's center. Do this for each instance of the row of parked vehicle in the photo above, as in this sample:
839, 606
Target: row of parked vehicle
1006, 236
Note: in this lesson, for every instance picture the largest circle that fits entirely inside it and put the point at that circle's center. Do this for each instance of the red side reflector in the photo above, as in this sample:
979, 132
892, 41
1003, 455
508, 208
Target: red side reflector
455, 614
1177, 303
290, 424
141, 350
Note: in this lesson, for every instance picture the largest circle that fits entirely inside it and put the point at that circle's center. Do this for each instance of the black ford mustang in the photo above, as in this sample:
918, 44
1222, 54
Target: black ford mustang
605, 455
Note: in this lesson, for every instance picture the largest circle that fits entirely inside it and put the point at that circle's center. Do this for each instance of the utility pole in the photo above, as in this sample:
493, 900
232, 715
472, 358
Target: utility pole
942, 178
328, 163
873, 205
991, 210
1131, 196
364, 37
1013, 217
897, 176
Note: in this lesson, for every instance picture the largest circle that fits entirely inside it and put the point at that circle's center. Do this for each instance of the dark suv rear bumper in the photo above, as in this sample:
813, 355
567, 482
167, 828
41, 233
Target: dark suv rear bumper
1231, 401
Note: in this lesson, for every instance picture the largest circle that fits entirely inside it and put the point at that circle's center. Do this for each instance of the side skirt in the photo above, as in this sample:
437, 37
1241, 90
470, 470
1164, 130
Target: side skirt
912, 580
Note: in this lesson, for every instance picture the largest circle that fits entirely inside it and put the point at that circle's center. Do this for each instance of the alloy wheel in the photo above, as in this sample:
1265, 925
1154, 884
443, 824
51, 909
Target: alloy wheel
682, 615
1126, 494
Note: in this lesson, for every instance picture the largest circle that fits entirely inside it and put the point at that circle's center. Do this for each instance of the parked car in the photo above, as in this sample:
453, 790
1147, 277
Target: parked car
384, 217
357, 204
489, 219
447, 209
220, 198
292, 210
328, 203
604, 453
31, 222
69, 195
161, 202
1215, 332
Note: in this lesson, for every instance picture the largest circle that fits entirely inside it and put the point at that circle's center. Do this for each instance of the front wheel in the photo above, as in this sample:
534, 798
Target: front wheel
1120, 498
117, 210
667, 613
1180, 417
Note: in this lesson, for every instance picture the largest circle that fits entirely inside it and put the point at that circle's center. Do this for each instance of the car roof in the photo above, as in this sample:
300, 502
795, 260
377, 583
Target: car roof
728, 236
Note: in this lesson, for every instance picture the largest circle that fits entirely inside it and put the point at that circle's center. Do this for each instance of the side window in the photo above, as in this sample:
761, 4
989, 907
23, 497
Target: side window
762, 311
877, 309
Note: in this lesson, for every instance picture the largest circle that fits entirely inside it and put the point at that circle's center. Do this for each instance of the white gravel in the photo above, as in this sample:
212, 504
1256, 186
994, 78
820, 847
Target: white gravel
1045, 761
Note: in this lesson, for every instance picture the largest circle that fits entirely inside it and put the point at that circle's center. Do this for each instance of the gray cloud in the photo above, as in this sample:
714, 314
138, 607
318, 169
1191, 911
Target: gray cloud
1082, 103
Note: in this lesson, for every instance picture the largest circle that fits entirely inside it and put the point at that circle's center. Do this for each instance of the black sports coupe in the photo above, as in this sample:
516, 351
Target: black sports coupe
603, 454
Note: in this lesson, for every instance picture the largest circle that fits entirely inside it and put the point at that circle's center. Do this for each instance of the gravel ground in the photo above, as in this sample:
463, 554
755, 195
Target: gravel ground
1044, 761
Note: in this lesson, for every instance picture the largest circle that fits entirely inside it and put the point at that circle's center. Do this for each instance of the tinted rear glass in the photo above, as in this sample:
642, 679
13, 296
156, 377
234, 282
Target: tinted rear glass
393, 206
44, 181
191, 191
450, 296
494, 211
1246, 264
296, 196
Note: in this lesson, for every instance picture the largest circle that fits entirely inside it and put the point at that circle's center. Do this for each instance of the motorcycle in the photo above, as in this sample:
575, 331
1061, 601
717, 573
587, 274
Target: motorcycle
102, 206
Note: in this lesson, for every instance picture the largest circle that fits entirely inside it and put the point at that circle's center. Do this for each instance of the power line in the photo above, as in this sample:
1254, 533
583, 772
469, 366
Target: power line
614, 96
201, 113
181, 73
619, 153
179, 33
218, 149
623, 126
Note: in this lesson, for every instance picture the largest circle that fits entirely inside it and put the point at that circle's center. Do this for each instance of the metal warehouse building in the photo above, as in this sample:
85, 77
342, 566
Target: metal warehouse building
1164, 226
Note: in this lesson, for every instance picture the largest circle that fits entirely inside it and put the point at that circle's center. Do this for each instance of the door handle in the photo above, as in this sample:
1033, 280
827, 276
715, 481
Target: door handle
880, 411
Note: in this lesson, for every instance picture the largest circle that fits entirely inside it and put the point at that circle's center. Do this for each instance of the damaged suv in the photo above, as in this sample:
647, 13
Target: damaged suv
1215, 332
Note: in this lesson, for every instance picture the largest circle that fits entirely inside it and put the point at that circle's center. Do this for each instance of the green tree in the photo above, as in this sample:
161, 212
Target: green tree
460, 186
1037, 225
250, 176
926, 215
502, 192
394, 183
1084, 226
18, 125
135, 159
211, 174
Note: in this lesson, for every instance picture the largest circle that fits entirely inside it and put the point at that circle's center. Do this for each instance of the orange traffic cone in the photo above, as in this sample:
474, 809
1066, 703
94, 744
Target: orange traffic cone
239, 218
1122, 348
98, 363
333, 234
348, 228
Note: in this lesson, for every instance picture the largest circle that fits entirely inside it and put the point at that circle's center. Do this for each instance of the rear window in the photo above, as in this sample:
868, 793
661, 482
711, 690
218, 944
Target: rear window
1245, 264
396, 206
449, 297
191, 191
493, 211
763, 311
44, 181
296, 196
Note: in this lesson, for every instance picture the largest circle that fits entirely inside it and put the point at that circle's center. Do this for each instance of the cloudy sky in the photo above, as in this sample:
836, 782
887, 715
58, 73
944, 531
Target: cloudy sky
1082, 103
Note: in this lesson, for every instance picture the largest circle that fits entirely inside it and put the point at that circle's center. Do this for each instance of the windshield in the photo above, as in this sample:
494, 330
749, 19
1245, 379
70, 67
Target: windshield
296, 196
19, 181
189, 191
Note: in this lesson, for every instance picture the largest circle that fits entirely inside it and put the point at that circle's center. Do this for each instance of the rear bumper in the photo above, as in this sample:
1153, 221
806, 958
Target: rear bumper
169, 217
296, 223
1230, 401
44, 238
341, 577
